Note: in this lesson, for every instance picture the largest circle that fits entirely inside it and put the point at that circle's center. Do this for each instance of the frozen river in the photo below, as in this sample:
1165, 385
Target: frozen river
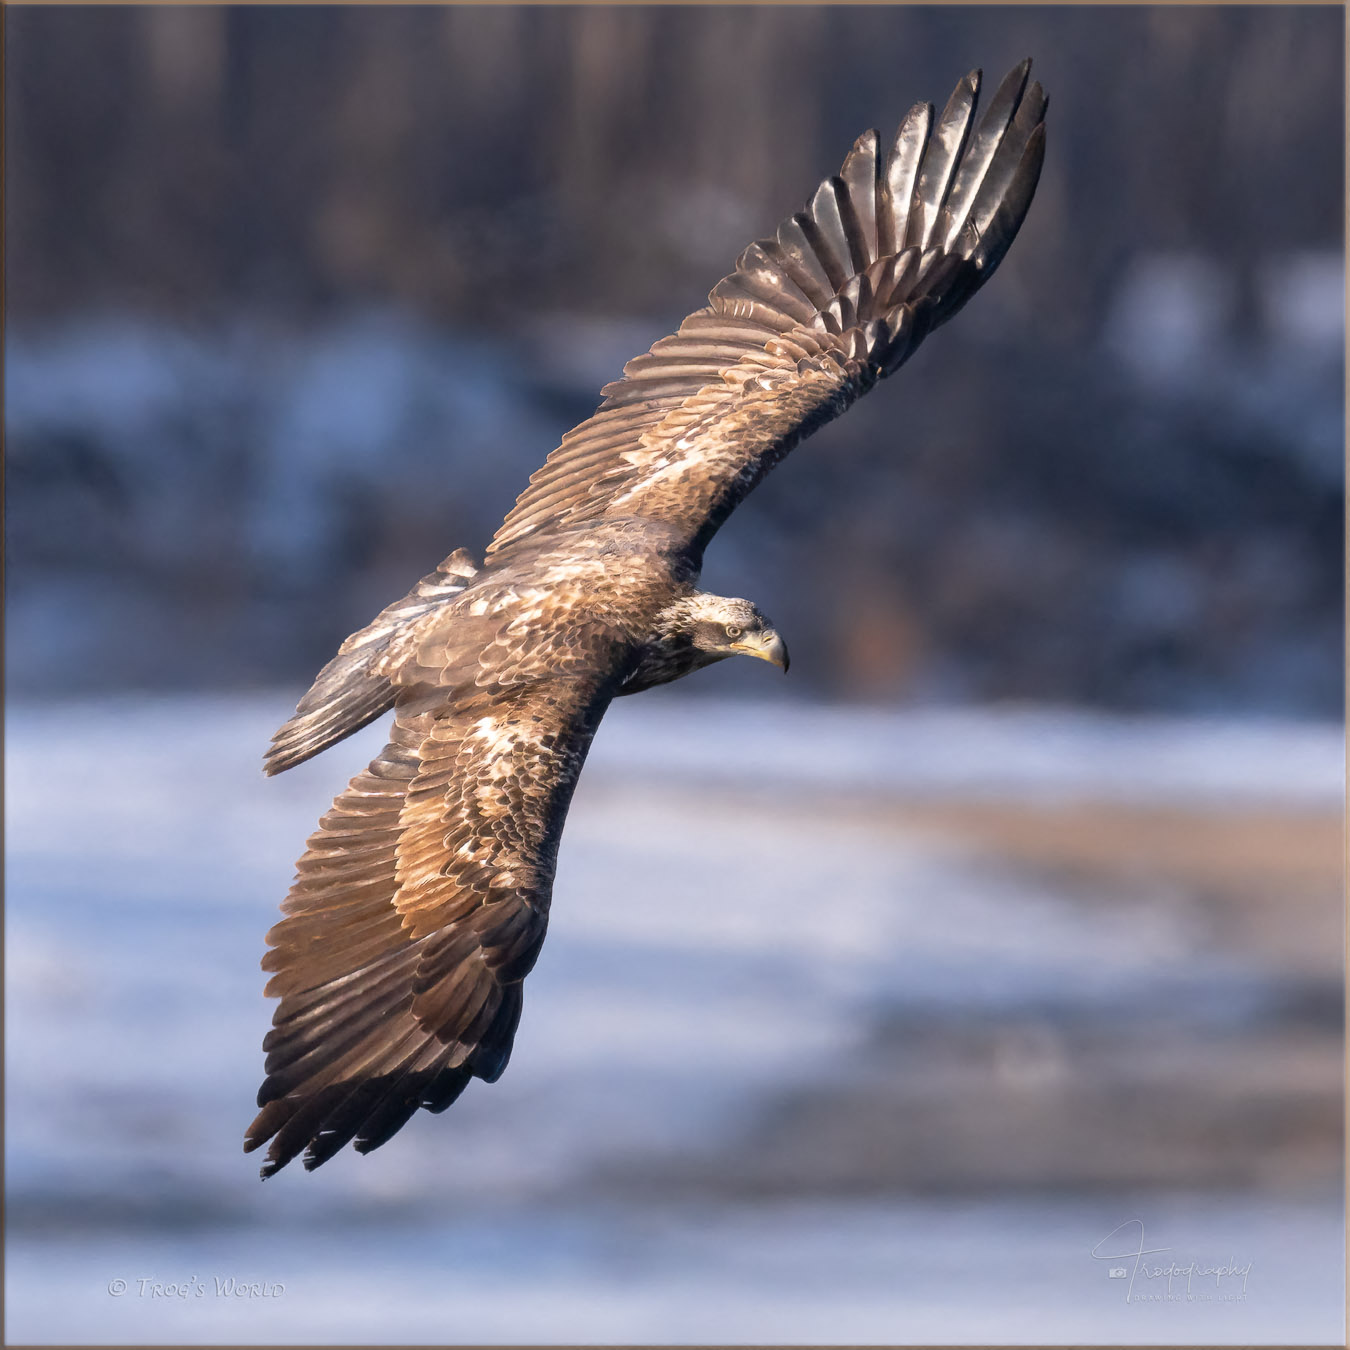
731, 916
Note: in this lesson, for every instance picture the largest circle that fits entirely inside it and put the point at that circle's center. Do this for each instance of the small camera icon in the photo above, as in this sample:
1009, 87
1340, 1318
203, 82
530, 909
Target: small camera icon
1117, 1273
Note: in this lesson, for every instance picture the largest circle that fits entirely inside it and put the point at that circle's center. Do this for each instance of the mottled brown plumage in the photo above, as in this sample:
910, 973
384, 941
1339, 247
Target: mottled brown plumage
422, 900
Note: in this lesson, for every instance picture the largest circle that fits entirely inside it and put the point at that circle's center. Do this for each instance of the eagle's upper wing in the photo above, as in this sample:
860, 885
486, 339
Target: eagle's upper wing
417, 911
842, 295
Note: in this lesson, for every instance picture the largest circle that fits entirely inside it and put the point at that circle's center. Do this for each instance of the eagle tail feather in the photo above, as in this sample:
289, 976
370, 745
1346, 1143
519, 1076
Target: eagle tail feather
349, 693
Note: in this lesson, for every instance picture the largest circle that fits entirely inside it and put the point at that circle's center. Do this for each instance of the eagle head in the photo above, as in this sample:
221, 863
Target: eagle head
718, 626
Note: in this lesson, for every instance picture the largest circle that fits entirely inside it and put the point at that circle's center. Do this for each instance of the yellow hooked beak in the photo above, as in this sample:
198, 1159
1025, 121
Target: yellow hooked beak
767, 646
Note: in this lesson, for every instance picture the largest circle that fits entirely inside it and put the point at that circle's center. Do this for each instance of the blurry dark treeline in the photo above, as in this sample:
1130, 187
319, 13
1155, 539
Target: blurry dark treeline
297, 297
468, 160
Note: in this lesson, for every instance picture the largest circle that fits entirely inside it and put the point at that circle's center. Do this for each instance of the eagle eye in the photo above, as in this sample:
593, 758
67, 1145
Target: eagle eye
734, 630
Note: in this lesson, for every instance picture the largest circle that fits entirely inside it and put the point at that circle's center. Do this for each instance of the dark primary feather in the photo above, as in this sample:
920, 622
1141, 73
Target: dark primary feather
422, 900
839, 297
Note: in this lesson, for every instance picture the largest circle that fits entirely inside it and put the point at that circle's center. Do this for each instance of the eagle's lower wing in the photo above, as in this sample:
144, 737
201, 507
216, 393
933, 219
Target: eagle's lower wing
845, 292
417, 911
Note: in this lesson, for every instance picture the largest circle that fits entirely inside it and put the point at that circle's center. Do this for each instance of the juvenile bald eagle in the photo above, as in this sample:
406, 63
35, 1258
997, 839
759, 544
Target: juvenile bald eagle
421, 902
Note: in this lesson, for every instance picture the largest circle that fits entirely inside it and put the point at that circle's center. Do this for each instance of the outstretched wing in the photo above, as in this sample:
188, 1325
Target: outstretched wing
416, 913
810, 319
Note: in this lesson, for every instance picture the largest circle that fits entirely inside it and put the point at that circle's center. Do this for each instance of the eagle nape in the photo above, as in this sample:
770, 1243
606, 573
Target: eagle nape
421, 902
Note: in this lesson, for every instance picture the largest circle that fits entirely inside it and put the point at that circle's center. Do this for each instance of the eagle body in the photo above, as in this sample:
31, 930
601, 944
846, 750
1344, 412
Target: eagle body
422, 900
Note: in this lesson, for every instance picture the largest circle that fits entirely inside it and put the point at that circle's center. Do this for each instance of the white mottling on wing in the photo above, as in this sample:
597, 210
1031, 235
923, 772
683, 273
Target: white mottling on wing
498, 737
573, 569
674, 467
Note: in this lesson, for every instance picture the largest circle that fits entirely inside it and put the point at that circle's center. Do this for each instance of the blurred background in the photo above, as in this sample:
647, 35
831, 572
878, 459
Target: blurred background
876, 999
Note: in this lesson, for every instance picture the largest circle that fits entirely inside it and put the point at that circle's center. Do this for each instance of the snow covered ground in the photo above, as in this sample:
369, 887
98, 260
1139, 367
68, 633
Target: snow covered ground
860, 1272
719, 936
